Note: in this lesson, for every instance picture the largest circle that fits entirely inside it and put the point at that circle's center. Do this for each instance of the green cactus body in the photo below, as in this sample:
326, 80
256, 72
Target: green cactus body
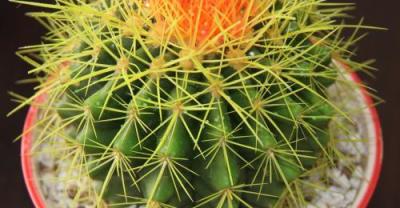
213, 103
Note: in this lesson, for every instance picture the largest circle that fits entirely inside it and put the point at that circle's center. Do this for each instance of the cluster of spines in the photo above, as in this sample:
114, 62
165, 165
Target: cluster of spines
172, 125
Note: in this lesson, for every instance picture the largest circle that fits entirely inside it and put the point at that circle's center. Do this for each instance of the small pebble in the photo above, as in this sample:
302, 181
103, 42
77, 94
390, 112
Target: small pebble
350, 196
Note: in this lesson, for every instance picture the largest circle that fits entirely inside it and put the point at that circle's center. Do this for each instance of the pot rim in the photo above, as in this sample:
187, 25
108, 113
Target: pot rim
363, 197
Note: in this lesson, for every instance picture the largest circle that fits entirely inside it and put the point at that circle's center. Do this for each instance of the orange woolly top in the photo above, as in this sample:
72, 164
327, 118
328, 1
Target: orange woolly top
197, 21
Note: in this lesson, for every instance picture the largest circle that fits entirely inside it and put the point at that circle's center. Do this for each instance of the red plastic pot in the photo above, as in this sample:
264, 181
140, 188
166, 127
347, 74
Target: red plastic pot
373, 168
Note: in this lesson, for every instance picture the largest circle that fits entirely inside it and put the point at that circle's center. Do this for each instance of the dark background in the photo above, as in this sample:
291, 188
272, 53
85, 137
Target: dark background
17, 30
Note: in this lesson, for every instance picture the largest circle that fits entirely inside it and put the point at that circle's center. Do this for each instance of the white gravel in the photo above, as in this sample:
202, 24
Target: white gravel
345, 185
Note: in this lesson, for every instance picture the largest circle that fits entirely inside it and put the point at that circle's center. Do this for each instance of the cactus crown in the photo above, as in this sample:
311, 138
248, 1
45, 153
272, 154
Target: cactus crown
190, 103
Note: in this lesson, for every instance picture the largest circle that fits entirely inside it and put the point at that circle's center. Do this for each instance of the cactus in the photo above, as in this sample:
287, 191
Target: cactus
190, 103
